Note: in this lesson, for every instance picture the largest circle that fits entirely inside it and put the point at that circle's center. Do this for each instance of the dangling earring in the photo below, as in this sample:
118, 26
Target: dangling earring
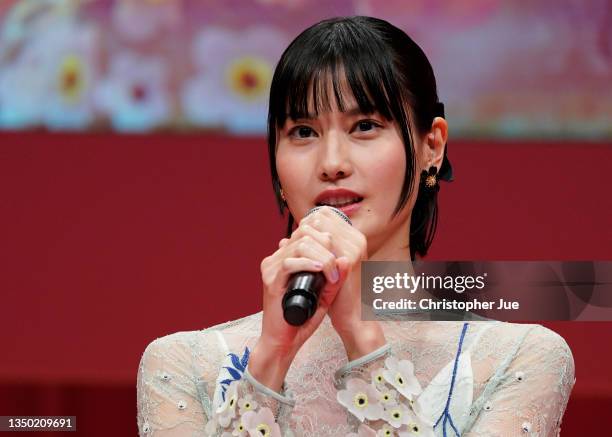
290, 221
429, 180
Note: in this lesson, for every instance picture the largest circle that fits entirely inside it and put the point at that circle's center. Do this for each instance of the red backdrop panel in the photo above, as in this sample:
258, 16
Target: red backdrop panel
107, 242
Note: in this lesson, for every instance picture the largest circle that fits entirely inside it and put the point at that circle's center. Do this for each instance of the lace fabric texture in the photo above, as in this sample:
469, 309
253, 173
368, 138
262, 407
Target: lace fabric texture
520, 376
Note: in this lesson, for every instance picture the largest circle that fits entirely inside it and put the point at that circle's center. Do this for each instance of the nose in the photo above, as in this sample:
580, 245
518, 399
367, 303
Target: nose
334, 159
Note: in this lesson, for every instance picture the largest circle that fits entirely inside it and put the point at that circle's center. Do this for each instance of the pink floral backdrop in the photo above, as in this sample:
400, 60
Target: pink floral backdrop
524, 69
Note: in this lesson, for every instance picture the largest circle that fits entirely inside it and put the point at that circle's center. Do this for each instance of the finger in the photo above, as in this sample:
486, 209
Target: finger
329, 293
283, 242
300, 264
310, 248
325, 220
322, 237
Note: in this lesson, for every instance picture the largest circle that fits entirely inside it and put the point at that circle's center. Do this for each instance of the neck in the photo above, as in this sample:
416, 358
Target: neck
395, 247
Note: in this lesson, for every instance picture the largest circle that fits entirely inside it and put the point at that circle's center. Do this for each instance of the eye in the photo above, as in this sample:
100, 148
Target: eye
366, 125
301, 132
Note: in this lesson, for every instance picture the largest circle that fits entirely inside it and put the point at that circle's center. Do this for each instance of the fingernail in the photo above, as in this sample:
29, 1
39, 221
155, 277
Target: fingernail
335, 275
318, 264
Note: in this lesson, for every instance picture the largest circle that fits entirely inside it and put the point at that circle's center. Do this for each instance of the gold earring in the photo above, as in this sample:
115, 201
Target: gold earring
283, 195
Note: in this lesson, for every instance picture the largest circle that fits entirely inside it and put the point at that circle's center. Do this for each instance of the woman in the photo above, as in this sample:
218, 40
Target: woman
355, 123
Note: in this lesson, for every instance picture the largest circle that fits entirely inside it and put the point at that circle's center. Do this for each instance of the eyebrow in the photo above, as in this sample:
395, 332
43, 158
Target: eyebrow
350, 113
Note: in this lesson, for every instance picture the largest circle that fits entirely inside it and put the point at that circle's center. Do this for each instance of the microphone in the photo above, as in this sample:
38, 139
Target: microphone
302, 296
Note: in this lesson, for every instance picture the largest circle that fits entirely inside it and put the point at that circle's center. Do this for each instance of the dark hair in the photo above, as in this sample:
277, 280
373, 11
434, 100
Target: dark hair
385, 70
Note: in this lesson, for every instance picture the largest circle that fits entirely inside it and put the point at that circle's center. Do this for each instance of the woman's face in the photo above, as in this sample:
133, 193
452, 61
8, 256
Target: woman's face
363, 153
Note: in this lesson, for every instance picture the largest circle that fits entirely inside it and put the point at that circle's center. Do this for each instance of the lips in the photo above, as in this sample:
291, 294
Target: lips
338, 197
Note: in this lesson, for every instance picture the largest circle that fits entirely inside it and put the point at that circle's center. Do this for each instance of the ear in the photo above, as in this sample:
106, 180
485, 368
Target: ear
435, 142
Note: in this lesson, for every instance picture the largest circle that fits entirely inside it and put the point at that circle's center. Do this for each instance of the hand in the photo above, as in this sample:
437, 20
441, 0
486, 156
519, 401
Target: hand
307, 250
359, 337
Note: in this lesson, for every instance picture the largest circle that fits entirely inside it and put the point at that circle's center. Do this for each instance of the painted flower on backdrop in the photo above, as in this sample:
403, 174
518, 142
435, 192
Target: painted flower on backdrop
233, 74
27, 18
142, 20
134, 94
285, 3
51, 79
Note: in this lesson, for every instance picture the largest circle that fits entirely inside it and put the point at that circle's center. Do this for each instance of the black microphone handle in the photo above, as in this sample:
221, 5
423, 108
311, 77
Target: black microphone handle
303, 289
301, 299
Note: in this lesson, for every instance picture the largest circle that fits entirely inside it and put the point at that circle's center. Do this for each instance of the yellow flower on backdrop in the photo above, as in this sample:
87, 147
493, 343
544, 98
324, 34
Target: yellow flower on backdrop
249, 77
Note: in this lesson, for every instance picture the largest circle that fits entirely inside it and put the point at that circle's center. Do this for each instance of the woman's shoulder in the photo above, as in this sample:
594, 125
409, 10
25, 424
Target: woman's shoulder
532, 337
489, 338
198, 346
532, 348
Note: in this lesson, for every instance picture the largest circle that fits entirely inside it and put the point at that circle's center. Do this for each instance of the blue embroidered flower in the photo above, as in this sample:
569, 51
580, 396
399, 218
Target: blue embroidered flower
236, 370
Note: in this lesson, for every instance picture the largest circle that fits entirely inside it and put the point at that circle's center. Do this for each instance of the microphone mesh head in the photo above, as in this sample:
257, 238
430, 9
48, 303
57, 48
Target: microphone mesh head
342, 215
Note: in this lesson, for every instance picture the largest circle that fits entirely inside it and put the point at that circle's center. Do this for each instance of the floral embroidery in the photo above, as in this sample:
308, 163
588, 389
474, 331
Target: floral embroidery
246, 404
236, 371
361, 399
388, 396
519, 376
400, 374
385, 431
227, 411
238, 428
377, 378
181, 405
238, 414
401, 416
261, 423
398, 415
416, 428
526, 426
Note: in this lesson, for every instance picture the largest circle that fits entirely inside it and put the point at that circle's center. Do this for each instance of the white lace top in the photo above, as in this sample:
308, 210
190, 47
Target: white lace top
475, 378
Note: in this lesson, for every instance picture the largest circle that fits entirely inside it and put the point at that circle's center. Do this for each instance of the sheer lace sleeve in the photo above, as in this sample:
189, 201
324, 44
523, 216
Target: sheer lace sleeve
170, 401
247, 407
179, 396
530, 395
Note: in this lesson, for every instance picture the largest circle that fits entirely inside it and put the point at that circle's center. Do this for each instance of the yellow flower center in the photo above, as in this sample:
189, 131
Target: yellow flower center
263, 429
414, 428
399, 379
361, 400
70, 78
249, 77
396, 414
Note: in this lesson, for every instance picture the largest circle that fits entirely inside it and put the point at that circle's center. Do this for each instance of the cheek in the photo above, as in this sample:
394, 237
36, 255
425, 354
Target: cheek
387, 173
293, 173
